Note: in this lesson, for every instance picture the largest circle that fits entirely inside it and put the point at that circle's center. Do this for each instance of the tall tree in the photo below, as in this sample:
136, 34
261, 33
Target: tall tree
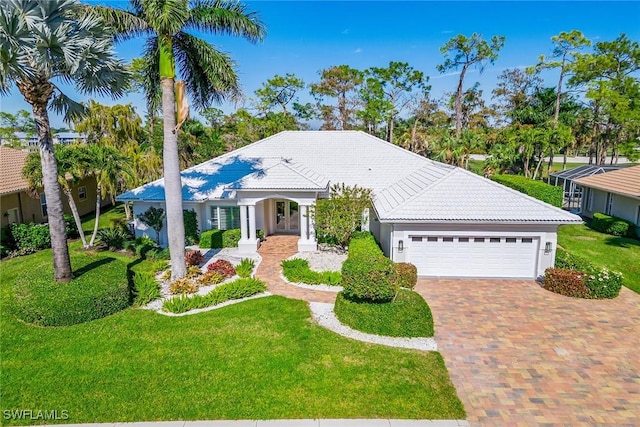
395, 83
42, 42
208, 73
340, 82
514, 90
279, 91
462, 52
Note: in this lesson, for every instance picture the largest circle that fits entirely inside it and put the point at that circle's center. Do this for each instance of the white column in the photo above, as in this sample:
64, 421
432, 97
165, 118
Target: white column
244, 233
307, 242
312, 226
303, 222
252, 223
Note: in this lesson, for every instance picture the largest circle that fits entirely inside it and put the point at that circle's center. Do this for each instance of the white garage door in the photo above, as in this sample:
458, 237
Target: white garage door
462, 256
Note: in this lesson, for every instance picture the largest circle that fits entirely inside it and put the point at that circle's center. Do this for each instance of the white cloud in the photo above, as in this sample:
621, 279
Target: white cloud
345, 31
358, 50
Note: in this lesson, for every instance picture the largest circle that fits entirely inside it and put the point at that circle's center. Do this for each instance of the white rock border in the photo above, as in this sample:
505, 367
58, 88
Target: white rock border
213, 307
312, 287
324, 315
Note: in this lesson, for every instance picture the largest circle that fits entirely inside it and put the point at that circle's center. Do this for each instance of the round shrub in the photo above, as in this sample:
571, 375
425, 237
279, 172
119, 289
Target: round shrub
100, 288
407, 275
371, 279
569, 283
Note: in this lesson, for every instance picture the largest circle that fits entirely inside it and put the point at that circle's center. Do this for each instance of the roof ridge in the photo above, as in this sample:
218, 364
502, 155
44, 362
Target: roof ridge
293, 166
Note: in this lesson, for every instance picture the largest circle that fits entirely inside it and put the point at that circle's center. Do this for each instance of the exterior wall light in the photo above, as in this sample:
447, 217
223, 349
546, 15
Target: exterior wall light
400, 245
547, 248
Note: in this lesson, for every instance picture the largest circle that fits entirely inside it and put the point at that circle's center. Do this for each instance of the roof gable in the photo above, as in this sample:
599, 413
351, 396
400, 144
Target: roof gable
11, 163
624, 181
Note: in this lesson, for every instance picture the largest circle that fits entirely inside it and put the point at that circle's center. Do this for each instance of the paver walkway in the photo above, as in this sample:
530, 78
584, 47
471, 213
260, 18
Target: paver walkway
273, 251
520, 355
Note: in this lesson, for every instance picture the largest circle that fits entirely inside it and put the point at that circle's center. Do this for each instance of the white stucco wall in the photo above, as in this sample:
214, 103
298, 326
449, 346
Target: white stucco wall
624, 207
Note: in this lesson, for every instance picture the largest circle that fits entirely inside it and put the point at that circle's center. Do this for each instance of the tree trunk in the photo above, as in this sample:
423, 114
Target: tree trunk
95, 225
127, 211
535, 173
172, 181
76, 215
459, 102
37, 93
550, 164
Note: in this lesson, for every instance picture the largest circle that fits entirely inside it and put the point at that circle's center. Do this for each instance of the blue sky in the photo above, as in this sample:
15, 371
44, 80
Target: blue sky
307, 36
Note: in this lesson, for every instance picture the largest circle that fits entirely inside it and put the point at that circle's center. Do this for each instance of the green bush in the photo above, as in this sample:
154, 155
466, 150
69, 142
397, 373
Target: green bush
297, 270
245, 268
145, 288
367, 275
567, 261
31, 237
70, 227
223, 238
598, 282
100, 288
190, 226
407, 275
536, 189
157, 254
603, 283
407, 316
230, 238
113, 238
612, 225
240, 288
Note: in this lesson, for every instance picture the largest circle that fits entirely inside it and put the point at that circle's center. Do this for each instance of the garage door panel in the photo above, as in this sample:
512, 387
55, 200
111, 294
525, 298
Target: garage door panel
462, 256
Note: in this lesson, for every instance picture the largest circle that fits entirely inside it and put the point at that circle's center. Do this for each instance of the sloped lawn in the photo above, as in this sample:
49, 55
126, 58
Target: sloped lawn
615, 253
260, 359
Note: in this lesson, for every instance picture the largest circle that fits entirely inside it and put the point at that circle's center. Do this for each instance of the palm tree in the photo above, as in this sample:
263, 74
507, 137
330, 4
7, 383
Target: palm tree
107, 164
209, 75
69, 173
43, 41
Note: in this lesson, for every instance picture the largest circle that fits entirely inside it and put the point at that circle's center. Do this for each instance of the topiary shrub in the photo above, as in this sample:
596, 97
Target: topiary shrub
223, 238
100, 288
223, 267
536, 189
193, 258
603, 283
145, 288
612, 225
407, 275
569, 283
367, 275
190, 218
230, 238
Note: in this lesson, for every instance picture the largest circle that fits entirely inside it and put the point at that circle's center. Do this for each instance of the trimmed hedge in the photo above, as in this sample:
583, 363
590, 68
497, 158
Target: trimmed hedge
537, 189
367, 275
407, 316
100, 288
297, 270
240, 288
223, 238
407, 274
612, 225
596, 282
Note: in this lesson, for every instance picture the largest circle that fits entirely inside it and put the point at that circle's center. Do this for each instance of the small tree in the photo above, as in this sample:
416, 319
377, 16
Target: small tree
154, 218
339, 216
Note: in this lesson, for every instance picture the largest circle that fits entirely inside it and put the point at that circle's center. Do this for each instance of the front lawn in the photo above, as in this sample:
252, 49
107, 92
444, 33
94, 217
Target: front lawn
260, 359
603, 250
107, 216
407, 316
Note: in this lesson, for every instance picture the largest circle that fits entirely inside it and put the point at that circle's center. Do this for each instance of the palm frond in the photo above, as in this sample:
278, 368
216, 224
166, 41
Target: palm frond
151, 75
167, 17
124, 24
228, 17
71, 110
210, 75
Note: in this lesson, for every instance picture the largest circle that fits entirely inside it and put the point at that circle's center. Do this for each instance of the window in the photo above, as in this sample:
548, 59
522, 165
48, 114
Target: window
609, 205
82, 193
447, 239
225, 217
494, 240
478, 239
511, 239
432, 239
527, 240
43, 204
590, 199
416, 239
463, 239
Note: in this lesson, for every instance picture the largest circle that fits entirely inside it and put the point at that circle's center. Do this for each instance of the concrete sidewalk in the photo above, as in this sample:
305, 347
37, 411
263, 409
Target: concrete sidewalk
285, 423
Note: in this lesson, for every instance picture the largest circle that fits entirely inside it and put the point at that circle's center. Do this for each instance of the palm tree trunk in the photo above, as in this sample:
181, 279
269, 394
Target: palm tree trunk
172, 181
76, 215
95, 225
55, 211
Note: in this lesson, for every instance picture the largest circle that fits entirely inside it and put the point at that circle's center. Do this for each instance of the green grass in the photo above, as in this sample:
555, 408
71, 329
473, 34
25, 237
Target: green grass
407, 316
260, 359
615, 253
107, 215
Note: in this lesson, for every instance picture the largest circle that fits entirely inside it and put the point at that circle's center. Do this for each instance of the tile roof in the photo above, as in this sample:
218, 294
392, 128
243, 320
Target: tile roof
11, 164
624, 181
405, 185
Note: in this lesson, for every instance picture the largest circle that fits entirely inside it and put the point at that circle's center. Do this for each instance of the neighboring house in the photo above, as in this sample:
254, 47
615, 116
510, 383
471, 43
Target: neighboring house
615, 193
447, 221
17, 205
29, 141
572, 198
69, 138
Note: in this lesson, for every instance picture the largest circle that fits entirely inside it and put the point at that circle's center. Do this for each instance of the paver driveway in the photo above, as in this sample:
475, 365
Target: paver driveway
520, 355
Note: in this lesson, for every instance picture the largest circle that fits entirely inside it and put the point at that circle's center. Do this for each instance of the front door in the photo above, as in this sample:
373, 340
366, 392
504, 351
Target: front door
287, 216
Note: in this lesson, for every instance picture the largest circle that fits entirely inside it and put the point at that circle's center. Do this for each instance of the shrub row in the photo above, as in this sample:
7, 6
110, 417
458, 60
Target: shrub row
240, 288
537, 189
612, 225
576, 277
223, 238
367, 275
100, 288
297, 270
